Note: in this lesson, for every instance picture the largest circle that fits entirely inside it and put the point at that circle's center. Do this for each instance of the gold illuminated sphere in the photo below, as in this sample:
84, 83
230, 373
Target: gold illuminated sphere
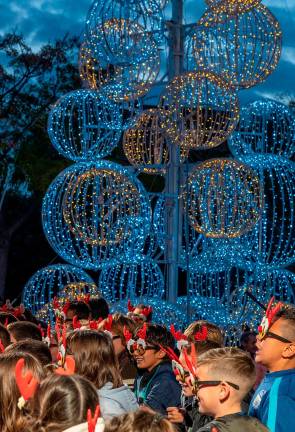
223, 198
233, 6
200, 110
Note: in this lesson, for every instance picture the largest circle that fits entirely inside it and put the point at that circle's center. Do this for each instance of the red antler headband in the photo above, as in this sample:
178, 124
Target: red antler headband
26, 383
178, 367
201, 335
191, 364
68, 368
181, 339
130, 307
92, 421
268, 318
62, 342
2, 349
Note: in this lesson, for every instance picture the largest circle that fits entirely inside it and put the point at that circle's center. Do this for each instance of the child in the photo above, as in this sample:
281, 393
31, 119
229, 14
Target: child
61, 404
214, 332
127, 367
140, 421
23, 330
96, 360
12, 419
274, 400
224, 377
38, 349
156, 388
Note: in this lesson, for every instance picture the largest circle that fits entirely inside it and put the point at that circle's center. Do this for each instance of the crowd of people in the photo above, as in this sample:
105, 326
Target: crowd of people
95, 372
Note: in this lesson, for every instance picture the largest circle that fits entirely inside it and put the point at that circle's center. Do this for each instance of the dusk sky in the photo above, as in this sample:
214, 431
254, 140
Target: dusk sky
41, 21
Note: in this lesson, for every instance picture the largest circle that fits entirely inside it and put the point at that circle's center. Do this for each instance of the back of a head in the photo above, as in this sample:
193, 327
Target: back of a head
119, 322
139, 421
230, 364
62, 402
287, 317
10, 415
214, 332
99, 308
95, 357
203, 346
35, 347
4, 336
159, 335
80, 309
24, 330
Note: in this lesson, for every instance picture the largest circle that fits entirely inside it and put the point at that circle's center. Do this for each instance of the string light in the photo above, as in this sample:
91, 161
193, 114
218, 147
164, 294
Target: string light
233, 7
242, 48
49, 282
222, 198
129, 280
200, 110
84, 125
95, 214
265, 127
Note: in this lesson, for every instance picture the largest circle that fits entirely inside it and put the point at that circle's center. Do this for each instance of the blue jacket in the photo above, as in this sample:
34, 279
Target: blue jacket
274, 401
116, 401
158, 389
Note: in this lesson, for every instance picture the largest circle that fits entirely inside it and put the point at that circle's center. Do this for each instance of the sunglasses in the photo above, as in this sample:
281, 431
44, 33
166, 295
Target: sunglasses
271, 335
199, 384
140, 349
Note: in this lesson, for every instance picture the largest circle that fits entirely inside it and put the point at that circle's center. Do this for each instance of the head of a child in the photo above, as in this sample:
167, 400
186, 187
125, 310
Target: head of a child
141, 313
156, 336
276, 351
248, 342
61, 402
11, 417
99, 308
225, 376
79, 309
214, 332
140, 421
21, 330
4, 336
200, 347
95, 357
35, 347
120, 322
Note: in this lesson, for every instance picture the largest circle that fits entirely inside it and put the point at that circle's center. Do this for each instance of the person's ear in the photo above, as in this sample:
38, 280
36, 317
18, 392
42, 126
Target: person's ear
289, 351
160, 354
224, 391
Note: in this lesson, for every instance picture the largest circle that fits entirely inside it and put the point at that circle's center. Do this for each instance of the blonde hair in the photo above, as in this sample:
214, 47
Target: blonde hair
230, 364
214, 332
140, 421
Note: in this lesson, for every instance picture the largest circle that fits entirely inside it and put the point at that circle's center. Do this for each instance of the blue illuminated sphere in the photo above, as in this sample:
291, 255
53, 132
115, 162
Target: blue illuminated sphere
95, 214
49, 282
265, 127
84, 125
128, 280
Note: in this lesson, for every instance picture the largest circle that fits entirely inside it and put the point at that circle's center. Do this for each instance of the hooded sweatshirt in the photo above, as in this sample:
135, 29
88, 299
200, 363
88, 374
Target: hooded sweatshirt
116, 401
238, 422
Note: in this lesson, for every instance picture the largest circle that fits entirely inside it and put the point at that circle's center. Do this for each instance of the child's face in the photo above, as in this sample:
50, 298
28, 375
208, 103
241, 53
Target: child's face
208, 396
187, 389
149, 359
269, 350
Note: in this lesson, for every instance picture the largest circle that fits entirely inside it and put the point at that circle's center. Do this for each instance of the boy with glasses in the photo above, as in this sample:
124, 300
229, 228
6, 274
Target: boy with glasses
274, 400
224, 377
155, 386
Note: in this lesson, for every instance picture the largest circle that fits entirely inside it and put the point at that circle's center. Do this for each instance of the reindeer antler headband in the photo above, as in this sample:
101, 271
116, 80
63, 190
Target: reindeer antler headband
269, 316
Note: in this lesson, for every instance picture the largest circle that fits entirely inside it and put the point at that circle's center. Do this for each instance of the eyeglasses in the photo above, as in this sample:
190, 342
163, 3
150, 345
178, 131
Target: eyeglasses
274, 336
141, 349
200, 384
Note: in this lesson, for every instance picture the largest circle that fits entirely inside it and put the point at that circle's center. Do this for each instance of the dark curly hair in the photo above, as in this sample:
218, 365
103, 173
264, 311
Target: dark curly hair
159, 335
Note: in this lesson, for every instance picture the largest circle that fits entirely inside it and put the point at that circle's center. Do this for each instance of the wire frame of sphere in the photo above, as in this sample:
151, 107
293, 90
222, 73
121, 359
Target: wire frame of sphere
120, 236
264, 127
233, 7
201, 110
84, 125
48, 282
126, 281
272, 239
223, 198
244, 49
119, 82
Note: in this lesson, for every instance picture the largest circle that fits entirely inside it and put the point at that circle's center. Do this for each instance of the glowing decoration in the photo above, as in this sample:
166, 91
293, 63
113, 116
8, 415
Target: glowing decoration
126, 281
78, 291
96, 214
84, 125
223, 198
164, 313
265, 127
145, 144
233, 7
272, 239
242, 48
48, 282
201, 110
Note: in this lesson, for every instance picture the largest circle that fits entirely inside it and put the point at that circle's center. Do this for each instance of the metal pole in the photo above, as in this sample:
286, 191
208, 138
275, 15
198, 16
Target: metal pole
174, 233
